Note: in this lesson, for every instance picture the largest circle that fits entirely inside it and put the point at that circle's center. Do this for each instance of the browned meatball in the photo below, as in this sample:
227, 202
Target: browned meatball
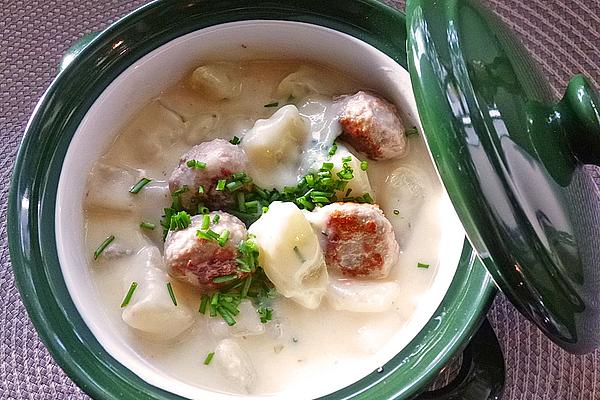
198, 261
358, 240
372, 126
222, 159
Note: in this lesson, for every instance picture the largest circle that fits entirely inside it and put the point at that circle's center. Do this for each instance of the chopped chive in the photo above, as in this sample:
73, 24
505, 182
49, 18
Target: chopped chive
214, 300
341, 185
223, 238
265, 313
261, 193
327, 166
304, 202
320, 199
138, 186
235, 140
333, 149
364, 165
396, 212
216, 219
251, 205
347, 159
246, 286
202, 235
348, 192
226, 315
310, 179
208, 235
317, 193
201, 189
196, 164
205, 222
181, 190
224, 278
299, 254
273, 104
221, 184
265, 209
238, 176
103, 246
233, 186
203, 304
202, 209
230, 307
147, 225
209, 358
181, 220
368, 199
129, 294
213, 311
171, 293
327, 181
346, 175
411, 132
241, 200
422, 265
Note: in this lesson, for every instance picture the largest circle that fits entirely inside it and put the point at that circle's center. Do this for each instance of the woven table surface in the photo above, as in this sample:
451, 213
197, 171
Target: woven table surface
562, 35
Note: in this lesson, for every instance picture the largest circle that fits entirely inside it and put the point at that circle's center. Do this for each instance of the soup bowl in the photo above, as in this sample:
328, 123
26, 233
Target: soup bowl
113, 73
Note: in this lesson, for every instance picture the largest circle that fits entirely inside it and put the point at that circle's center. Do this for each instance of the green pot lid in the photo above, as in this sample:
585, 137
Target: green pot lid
512, 159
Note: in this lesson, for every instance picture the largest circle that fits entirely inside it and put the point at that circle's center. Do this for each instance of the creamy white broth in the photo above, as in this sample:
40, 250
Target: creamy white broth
322, 345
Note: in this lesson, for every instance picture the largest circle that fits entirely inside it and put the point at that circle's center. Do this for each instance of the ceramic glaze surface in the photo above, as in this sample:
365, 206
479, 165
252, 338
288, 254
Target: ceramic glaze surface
512, 158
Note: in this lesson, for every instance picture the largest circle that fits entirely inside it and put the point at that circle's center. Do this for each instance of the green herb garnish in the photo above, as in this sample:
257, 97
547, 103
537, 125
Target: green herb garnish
235, 140
203, 303
138, 186
332, 150
364, 165
273, 104
221, 184
209, 358
224, 278
171, 293
396, 212
129, 294
147, 225
103, 246
422, 265
180, 220
223, 238
196, 164
265, 314
205, 222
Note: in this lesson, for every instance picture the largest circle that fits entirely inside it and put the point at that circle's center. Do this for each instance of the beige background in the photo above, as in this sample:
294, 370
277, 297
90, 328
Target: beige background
562, 35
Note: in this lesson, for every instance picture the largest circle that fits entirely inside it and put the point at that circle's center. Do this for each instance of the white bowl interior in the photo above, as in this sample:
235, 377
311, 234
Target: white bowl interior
161, 69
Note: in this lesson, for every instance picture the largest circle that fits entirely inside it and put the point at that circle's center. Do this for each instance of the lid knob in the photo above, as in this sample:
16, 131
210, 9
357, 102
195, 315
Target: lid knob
580, 112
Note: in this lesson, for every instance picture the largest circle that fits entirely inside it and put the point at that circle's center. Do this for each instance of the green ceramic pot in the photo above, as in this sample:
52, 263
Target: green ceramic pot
85, 74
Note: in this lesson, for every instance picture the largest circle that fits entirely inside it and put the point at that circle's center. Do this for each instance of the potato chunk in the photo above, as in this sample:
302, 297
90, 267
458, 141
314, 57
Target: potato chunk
219, 81
273, 147
290, 254
151, 309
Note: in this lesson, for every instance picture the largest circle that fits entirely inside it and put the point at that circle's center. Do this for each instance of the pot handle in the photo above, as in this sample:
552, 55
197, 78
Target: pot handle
482, 373
75, 49
580, 112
